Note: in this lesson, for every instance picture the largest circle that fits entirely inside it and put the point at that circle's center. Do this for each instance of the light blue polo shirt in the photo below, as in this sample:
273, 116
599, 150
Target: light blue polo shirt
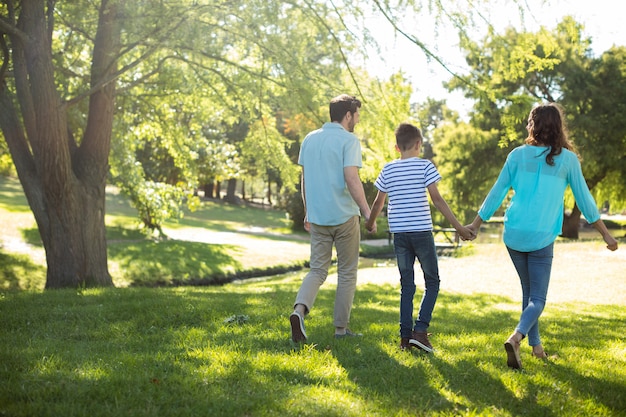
534, 217
323, 154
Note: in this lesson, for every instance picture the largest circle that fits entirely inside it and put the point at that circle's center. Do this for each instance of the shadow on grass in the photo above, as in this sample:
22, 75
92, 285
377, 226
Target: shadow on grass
224, 217
18, 272
169, 262
169, 352
175, 263
472, 372
12, 196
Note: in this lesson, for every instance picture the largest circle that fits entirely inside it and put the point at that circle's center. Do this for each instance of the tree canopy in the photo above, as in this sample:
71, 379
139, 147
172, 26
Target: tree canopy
163, 98
517, 70
82, 78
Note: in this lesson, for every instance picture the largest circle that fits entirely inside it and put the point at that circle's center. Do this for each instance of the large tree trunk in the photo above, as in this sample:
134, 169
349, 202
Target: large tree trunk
208, 189
64, 182
230, 191
218, 190
571, 223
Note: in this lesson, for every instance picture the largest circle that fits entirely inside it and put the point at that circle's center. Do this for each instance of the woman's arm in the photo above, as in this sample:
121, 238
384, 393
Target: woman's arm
611, 242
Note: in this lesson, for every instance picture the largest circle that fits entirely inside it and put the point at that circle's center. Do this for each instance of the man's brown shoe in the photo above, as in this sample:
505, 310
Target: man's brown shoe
420, 339
298, 333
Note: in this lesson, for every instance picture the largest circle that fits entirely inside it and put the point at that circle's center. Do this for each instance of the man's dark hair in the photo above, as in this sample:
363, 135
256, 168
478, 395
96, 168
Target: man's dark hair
407, 136
341, 105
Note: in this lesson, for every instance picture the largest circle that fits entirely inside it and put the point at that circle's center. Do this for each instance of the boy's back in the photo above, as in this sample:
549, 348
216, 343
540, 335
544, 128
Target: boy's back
406, 181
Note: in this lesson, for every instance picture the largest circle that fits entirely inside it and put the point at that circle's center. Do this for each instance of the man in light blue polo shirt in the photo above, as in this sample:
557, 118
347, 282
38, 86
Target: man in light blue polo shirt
334, 200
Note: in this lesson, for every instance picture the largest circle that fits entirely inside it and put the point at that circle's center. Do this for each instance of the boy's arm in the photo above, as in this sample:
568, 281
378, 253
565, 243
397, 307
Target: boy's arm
442, 206
377, 207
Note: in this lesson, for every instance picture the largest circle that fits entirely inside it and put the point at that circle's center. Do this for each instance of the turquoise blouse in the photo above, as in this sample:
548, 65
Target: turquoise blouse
534, 217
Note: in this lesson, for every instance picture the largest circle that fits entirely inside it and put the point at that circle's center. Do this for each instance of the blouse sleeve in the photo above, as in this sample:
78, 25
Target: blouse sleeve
497, 193
584, 199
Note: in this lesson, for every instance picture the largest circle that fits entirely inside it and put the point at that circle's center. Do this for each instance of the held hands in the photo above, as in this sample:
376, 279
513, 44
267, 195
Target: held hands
370, 225
474, 226
473, 230
466, 233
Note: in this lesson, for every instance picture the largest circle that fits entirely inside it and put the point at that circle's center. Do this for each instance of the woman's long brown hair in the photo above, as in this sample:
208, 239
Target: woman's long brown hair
546, 127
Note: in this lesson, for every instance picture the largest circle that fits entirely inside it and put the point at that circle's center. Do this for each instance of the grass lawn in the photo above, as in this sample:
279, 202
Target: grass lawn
225, 350
213, 244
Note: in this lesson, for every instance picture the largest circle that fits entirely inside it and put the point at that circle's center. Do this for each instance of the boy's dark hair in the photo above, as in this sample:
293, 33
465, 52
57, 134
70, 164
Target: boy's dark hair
407, 136
341, 105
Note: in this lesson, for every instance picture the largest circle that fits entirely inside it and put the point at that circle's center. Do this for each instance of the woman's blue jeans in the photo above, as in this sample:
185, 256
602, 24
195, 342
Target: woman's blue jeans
407, 247
533, 269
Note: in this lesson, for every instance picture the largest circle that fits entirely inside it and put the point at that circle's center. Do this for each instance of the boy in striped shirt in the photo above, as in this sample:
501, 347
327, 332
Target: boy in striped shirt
406, 181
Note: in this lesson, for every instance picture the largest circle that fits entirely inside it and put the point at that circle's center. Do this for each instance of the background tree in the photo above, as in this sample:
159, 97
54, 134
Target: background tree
62, 63
517, 70
465, 182
63, 176
595, 95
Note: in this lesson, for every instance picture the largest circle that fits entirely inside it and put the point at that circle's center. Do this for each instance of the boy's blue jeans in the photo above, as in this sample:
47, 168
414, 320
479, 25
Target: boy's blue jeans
533, 269
408, 246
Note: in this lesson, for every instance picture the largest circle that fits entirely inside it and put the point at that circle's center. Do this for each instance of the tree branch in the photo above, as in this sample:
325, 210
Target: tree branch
5, 61
8, 28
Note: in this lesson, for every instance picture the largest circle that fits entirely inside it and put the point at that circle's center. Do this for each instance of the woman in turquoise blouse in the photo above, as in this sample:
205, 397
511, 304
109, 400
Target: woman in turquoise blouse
538, 173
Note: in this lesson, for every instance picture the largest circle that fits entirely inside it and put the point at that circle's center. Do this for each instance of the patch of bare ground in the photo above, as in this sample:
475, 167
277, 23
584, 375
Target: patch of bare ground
581, 272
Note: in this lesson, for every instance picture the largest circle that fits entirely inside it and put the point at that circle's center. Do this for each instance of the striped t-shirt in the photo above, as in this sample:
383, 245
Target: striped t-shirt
405, 182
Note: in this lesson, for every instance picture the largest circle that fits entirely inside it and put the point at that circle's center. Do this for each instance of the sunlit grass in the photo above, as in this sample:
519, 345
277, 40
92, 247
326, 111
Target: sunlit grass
225, 351
177, 351
203, 255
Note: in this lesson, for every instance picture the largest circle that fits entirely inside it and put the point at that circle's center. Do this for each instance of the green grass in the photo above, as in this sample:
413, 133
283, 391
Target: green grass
135, 259
225, 351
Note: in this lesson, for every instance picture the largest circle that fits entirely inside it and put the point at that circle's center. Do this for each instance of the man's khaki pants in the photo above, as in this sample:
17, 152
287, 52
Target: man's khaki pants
346, 238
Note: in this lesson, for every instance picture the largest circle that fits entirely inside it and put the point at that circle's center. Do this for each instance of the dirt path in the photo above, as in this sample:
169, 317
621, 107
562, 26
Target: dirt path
602, 273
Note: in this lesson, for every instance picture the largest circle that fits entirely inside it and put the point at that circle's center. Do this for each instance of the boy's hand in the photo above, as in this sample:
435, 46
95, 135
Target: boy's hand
370, 226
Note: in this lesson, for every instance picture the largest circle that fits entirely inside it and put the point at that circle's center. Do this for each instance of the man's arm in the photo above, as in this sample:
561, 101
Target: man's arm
355, 187
307, 225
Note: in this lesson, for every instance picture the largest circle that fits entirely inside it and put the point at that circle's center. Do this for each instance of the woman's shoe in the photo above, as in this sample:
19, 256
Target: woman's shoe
539, 353
512, 348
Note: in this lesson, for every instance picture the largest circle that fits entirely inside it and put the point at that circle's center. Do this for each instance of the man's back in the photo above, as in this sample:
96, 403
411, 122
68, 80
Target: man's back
323, 155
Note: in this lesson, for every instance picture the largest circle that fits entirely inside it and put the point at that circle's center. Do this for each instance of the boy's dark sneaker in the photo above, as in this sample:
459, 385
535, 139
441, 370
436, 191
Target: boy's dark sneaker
420, 339
298, 333
404, 343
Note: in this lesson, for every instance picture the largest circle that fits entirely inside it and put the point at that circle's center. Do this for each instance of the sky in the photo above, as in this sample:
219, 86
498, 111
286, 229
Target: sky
603, 21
